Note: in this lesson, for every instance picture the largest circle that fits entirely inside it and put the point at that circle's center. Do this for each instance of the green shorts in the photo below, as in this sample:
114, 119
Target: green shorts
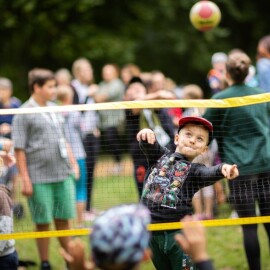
167, 254
53, 201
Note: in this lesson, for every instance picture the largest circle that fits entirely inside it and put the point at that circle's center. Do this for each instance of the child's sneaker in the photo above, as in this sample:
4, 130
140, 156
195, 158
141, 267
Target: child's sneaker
45, 266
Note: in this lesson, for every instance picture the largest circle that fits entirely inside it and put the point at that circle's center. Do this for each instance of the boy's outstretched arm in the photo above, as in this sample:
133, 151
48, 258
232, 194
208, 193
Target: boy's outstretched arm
230, 171
146, 134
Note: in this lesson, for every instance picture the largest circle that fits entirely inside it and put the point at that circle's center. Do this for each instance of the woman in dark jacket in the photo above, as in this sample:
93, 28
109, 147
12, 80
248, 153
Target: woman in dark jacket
243, 137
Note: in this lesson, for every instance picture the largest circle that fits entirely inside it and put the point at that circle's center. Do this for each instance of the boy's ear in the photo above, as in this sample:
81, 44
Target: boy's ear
176, 138
36, 87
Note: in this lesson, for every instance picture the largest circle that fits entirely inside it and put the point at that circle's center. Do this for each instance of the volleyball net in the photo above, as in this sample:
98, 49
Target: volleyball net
114, 164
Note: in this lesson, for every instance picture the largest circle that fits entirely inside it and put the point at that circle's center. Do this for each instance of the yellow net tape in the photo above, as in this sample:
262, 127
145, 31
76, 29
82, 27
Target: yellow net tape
206, 103
151, 227
200, 103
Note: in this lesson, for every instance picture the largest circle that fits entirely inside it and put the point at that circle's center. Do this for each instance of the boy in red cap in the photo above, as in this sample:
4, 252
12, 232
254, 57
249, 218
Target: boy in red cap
172, 180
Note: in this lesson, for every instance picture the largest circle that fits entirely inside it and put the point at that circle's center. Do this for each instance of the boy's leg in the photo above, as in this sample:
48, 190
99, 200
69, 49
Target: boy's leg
40, 204
174, 252
159, 257
81, 192
64, 207
43, 243
167, 255
62, 225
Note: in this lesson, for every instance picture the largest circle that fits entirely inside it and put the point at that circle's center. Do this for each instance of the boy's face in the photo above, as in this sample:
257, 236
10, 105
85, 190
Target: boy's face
47, 92
135, 91
191, 141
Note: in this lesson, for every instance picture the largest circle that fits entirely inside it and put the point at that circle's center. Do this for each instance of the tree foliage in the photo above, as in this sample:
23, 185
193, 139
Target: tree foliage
155, 34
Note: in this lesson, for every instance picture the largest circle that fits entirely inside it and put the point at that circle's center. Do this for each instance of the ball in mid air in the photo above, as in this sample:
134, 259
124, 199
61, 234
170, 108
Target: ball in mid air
205, 15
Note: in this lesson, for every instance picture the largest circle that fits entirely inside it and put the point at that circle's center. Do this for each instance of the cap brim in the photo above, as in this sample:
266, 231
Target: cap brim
192, 119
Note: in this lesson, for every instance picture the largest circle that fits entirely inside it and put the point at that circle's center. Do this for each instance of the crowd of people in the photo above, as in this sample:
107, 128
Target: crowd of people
180, 156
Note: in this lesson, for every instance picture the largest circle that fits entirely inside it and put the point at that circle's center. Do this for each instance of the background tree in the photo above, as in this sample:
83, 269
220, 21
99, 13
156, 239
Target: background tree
155, 34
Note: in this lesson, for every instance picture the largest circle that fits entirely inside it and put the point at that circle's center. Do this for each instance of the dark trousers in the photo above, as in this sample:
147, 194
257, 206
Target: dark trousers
245, 192
91, 145
9, 262
112, 143
167, 254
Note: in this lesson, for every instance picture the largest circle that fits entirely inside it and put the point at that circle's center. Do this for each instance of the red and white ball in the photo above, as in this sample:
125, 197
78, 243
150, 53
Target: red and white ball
205, 15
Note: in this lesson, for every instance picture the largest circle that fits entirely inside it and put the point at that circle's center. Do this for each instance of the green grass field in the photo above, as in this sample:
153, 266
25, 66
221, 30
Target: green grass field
224, 243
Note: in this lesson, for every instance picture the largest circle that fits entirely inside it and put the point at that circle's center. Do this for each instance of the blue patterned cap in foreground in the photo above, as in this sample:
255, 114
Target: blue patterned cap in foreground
120, 235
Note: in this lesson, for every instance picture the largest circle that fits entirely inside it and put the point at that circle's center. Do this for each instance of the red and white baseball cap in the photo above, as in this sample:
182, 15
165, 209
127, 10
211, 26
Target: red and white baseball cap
199, 120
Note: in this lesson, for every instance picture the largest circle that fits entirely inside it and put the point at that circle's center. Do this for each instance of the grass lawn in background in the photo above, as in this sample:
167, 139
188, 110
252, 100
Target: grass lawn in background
224, 243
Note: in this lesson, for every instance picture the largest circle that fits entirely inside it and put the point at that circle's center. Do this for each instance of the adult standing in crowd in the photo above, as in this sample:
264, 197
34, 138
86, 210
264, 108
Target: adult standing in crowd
85, 88
111, 89
73, 132
129, 71
243, 137
136, 90
216, 75
263, 63
136, 119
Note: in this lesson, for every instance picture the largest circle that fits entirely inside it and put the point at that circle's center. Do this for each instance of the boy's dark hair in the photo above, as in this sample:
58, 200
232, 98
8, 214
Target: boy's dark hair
136, 79
39, 76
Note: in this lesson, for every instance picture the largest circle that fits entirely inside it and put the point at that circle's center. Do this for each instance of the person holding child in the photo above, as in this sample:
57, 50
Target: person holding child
172, 180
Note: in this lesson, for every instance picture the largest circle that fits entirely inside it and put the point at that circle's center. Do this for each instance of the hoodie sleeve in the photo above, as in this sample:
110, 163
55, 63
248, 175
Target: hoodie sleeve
206, 176
152, 152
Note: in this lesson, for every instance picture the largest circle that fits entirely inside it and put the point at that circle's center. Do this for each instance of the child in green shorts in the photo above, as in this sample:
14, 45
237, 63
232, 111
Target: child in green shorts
45, 162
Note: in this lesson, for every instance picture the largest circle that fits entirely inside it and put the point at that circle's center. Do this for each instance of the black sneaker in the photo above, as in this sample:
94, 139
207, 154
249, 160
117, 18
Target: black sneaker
45, 266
